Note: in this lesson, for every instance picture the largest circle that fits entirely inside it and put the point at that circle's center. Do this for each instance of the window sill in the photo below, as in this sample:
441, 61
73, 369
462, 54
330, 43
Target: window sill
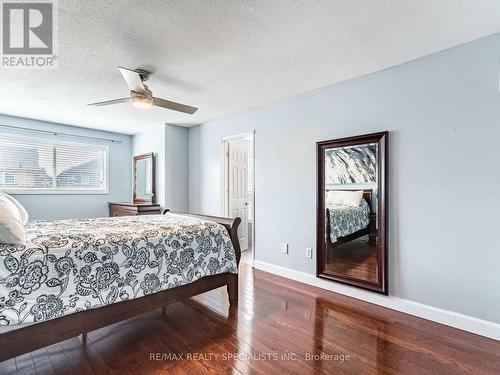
54, 192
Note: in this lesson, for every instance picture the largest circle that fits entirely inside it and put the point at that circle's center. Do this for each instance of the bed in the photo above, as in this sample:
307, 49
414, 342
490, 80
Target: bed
346, 223
75, 276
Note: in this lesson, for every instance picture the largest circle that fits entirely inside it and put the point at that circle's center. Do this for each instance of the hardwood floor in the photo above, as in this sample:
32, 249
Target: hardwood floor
277, 319
354, 258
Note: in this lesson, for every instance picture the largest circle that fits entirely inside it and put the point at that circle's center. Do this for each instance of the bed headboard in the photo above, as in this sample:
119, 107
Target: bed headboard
367, 194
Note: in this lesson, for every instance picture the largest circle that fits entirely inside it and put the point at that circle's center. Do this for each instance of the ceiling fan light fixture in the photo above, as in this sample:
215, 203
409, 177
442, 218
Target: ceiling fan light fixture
142, 102
141, 96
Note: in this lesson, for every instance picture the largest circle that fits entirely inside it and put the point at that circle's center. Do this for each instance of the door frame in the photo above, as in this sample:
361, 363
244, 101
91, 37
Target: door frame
224, 159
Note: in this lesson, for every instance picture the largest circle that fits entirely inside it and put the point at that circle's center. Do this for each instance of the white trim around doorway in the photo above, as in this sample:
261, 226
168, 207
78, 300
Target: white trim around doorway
225, 181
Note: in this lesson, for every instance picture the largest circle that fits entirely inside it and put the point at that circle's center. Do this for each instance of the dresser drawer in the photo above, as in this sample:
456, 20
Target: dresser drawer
128, 209
118, 211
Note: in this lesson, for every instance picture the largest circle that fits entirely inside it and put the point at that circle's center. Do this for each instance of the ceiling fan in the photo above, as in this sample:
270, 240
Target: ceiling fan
141, 96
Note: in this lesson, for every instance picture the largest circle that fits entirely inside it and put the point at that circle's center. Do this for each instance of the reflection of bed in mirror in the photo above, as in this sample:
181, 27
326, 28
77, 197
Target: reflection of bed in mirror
346, 223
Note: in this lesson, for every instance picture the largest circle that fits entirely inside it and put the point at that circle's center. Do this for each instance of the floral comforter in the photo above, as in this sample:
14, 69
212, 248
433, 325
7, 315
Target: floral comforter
72, 265
345, 220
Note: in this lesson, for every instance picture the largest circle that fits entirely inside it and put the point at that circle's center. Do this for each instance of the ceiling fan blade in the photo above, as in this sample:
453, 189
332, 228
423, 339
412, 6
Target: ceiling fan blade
174, 106
107, 102
133, 80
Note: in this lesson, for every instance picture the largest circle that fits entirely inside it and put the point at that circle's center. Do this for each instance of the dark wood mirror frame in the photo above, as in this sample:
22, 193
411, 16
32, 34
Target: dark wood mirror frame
153, 196
381, 286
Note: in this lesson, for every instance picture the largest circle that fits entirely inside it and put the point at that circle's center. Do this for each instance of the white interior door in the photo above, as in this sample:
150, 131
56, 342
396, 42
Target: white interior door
238, 186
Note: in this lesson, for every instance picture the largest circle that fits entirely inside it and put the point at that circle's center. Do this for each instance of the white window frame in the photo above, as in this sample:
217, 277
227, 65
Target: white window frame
54, 190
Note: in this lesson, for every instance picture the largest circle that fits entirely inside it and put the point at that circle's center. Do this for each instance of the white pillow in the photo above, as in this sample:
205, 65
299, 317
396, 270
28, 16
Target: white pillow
344, 197
11, 228
19, 206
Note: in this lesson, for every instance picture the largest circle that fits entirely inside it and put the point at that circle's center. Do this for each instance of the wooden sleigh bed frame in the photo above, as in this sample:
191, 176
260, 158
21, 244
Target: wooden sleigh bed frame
370, 229
39, 335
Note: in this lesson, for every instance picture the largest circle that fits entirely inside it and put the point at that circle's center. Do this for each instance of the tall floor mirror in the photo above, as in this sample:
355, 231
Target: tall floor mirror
352, 211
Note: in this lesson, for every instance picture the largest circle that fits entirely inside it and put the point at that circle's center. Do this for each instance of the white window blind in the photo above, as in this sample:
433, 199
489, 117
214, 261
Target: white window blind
46, 167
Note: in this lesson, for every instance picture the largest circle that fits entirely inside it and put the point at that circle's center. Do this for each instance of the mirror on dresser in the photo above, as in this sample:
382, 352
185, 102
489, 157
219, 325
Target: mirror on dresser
351, 211
144, 178
143, 186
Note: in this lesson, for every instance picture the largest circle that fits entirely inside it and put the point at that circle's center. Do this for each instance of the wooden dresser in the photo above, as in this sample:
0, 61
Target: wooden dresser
131, 209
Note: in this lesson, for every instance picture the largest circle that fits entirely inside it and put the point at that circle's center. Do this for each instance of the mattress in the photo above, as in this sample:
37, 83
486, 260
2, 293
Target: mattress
69, 266
345, 220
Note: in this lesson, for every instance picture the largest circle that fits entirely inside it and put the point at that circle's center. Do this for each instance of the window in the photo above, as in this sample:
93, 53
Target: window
48, 167
7, 178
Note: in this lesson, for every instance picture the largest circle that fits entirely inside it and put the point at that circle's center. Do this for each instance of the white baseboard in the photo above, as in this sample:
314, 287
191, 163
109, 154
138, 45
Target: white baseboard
449, 318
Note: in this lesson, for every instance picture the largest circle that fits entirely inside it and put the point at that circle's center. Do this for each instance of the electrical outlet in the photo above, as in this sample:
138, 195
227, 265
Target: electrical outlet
309, 253
284, 248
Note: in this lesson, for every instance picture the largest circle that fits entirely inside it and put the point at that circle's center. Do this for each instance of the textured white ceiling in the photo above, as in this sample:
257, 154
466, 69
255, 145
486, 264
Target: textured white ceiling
227, 56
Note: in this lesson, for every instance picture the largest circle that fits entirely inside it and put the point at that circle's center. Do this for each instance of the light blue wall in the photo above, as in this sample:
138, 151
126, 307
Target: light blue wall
443, 114
64, 206
176, 171
170, 146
